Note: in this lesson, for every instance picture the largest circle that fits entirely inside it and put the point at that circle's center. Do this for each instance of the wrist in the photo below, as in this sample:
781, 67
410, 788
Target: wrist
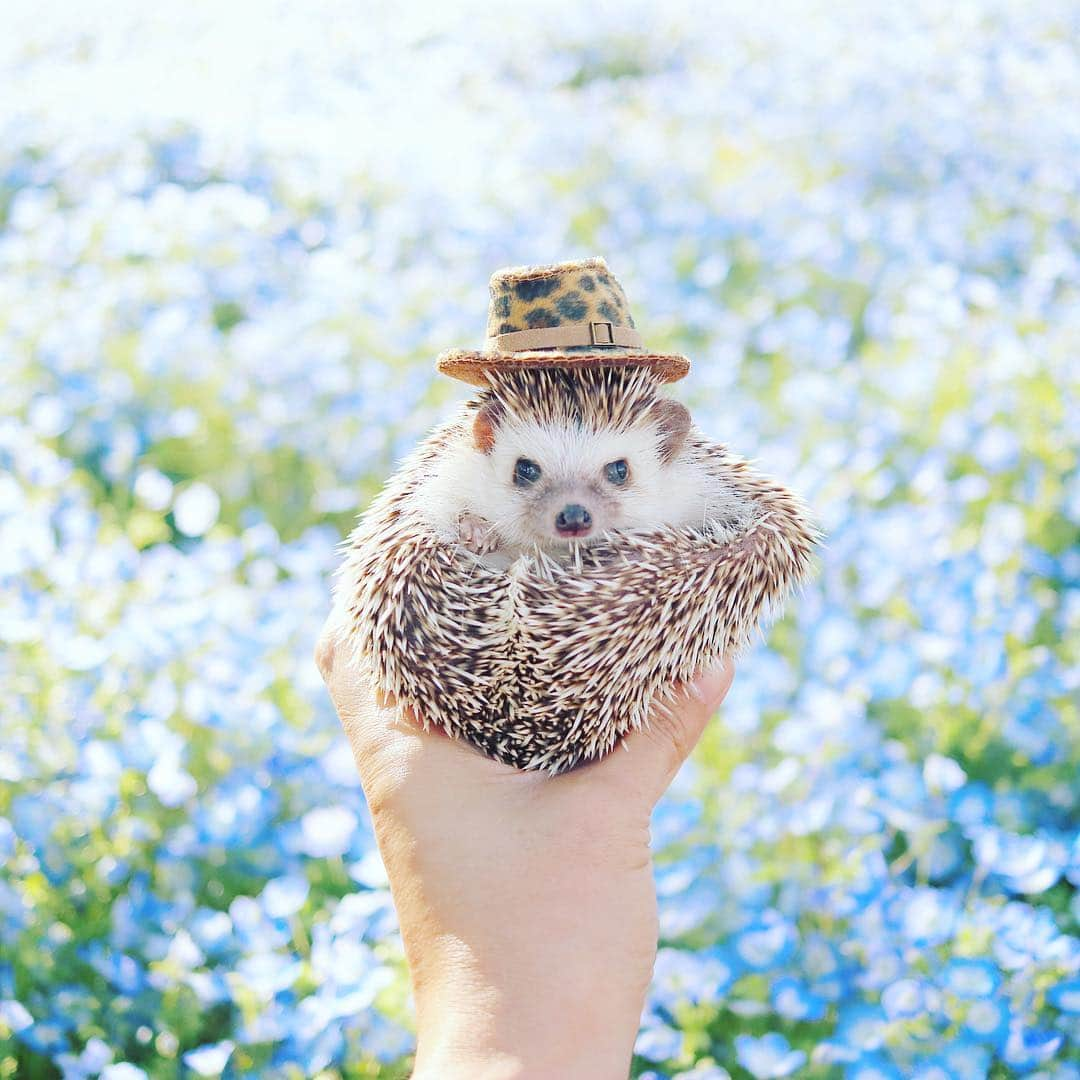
550, 1004
496, 1034
530, 946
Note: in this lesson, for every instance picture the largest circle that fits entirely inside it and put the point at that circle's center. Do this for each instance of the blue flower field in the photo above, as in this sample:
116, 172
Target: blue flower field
233, 237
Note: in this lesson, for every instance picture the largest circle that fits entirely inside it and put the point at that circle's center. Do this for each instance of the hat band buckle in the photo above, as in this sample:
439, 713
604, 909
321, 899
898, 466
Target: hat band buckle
599, 334
609, 339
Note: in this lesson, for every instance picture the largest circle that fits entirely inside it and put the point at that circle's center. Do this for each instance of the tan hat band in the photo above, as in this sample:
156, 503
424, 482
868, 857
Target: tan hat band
596, 334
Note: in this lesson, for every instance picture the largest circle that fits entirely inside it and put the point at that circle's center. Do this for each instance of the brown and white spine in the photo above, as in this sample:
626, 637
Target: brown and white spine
544, 665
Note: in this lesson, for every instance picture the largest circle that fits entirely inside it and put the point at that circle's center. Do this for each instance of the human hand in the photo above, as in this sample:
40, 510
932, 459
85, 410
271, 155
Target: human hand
526, 902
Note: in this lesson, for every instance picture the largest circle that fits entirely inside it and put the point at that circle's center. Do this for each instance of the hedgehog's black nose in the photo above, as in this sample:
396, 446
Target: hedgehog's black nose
573, 520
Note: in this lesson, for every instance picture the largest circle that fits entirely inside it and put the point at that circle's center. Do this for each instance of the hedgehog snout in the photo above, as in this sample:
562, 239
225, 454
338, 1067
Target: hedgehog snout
573, 520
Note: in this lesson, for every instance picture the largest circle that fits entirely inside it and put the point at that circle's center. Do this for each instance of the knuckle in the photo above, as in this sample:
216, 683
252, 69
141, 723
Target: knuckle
682, 736
680, 727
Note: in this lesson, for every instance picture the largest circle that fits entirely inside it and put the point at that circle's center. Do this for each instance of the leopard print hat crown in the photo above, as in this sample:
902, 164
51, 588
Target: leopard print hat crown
563, 314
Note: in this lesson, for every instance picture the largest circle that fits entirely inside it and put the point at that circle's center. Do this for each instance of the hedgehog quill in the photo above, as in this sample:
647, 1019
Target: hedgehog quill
549, 563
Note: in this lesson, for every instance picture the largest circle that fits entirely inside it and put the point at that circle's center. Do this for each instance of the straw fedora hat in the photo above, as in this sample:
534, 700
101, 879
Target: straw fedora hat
565, 314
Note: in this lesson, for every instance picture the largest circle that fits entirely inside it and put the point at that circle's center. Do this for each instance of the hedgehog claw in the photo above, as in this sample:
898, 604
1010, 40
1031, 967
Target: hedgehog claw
476, 534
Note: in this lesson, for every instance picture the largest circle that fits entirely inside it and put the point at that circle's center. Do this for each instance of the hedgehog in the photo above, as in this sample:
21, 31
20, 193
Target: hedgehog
547, 565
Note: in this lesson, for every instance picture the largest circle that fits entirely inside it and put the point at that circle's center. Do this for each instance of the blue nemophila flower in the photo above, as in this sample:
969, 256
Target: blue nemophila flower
1026, 864
267, 972
327, 831
686, 911
924, 916
903, 999
863, 877
679, 875
369, 871
822, 964
703, 1072
970, 978
210, 1060
196, 509
1027, 1048
658, 1042
209, 987
123, 1071
369, 915
1065, 996
943, 774
699, 977
1073, 870
1024, 934
49, 1036
861, 1027
765, 943
95, 1056
872, 1067
311, 1046
170, 782
285, 896
987, 1020
945, 857
237, 812
834, 1052
255, 929
124, 973
932, 1069
793, 1000
965, 1058
384, 1039
768, 1056
971, 805
673, 819
15, 1016
1036, 732
211, 929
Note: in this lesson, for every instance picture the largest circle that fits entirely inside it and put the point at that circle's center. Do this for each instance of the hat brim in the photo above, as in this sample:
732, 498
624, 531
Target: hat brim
469, 366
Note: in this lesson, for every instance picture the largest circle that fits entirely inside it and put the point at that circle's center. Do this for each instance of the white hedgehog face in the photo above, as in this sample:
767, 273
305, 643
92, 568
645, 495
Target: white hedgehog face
556, 485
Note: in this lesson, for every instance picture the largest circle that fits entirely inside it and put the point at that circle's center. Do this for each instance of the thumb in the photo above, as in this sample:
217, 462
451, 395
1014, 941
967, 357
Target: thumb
649, 758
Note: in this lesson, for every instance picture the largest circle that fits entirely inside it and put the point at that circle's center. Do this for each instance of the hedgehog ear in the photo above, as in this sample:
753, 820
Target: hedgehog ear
673, 420
485, 424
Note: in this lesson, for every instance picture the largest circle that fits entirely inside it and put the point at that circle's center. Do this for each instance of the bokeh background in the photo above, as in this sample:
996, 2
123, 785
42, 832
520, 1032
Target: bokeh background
233, 238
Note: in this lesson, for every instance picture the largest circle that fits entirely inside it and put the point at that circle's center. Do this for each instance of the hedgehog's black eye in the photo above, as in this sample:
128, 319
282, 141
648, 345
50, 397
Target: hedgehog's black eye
617, 471
526, 472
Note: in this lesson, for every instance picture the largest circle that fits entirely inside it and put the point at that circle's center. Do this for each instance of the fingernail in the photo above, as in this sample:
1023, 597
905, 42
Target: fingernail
710, 687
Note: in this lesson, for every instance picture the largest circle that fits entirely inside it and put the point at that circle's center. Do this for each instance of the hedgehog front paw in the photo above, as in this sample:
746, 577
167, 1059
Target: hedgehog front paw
476, 534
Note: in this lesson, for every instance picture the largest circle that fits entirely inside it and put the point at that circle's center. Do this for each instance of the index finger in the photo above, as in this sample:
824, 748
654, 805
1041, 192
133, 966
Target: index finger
366, 711
350, 685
